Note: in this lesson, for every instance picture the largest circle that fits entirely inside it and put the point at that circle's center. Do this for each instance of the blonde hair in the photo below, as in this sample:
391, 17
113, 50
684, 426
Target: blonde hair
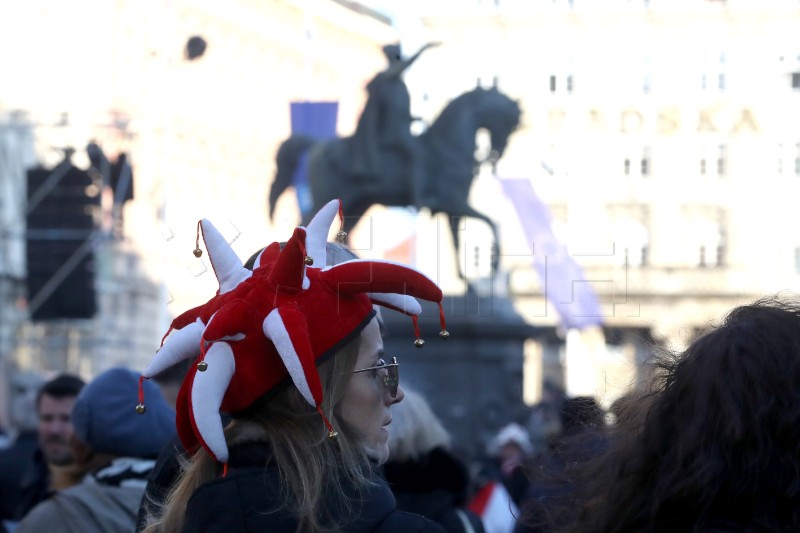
415, 429
311, 466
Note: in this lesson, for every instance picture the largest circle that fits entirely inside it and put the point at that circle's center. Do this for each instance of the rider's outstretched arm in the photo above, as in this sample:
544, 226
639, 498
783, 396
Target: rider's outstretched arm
396, 69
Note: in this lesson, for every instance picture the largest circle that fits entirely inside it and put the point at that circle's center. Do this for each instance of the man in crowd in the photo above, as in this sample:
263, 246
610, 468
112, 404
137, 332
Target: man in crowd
52, 467
116, 448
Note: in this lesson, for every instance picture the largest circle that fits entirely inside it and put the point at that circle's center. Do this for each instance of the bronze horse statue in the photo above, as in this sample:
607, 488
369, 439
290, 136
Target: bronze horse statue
445, 163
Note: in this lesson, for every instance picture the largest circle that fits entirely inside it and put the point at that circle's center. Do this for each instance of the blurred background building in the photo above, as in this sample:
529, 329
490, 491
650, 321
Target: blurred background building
661, 135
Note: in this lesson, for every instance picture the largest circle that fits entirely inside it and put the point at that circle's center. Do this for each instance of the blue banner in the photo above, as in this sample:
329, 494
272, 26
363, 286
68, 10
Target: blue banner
316, 120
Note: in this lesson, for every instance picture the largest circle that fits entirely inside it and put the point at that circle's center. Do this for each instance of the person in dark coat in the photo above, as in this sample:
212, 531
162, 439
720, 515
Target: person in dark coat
425, 476
508, 453
13, 462
293, 352
550, 487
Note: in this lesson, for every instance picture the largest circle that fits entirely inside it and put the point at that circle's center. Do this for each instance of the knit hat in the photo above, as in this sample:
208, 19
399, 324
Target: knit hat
510, 433
101, 416
275, 322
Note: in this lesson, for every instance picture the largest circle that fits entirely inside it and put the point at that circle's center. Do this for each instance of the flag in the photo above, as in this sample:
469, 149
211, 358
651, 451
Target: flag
316, 120
494, 505
564, 283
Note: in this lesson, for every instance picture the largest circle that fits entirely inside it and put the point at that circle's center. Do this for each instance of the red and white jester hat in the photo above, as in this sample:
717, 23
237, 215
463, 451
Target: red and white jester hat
277, 321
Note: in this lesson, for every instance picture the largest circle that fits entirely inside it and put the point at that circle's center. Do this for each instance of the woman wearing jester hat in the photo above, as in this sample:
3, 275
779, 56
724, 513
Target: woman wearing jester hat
293, 352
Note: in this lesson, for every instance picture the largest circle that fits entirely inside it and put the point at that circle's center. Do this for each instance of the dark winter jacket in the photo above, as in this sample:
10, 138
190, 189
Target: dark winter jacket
14, 462
248, 500
163, 475
434, 486
35, 485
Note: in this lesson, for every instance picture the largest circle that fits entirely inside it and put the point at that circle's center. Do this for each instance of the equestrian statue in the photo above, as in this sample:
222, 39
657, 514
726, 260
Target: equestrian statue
383, 163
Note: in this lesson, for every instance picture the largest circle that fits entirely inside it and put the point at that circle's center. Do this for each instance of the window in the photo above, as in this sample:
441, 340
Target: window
710, 244
713, 69
637, 164
567, 83
646, 161
788, 158
631, 240
797, 159
796, 81
714, 162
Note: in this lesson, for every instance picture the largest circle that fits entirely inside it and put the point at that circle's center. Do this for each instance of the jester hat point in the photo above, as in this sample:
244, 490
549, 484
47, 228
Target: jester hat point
274, 323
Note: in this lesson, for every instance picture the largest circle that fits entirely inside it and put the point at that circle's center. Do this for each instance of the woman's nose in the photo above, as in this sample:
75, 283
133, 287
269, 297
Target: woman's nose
399, 397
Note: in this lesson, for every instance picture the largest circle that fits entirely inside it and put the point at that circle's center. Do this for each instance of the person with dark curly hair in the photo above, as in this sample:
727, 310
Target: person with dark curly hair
717, 448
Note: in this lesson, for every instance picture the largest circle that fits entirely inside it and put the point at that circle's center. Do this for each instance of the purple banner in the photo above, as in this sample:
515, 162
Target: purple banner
563, 280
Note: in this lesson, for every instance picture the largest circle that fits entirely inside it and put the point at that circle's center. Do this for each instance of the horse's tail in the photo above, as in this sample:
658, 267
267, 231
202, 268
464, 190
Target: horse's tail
286, 160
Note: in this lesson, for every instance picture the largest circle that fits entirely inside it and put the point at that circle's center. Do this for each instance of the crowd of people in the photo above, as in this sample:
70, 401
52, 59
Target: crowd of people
275, 416
273, 407
709, 445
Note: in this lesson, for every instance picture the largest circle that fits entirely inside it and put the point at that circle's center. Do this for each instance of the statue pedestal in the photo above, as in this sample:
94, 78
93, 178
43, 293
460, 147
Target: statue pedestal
473, 380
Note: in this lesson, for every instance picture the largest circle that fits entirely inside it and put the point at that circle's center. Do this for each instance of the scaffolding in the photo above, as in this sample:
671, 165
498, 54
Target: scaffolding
124, 329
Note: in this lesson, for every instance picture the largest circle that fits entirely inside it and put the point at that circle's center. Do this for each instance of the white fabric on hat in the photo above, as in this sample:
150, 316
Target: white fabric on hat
227, 265
184, 343
275, 330
317, 232
208, 390
401, 302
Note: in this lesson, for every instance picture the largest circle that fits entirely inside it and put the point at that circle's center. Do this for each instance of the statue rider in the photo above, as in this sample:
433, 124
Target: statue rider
385, 125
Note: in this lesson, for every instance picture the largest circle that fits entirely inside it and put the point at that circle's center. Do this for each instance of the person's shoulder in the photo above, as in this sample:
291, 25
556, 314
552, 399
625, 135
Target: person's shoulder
45, 516
404, 522
241, 488
246, 499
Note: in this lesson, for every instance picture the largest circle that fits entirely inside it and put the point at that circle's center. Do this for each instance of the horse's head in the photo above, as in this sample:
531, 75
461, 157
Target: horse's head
500, 116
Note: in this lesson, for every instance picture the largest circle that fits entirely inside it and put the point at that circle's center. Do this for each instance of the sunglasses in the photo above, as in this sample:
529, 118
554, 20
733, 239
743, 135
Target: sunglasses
392, 378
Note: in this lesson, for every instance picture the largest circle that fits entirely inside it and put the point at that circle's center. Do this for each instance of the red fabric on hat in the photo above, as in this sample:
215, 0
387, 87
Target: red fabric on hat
187, 432
381, 276
286, 275
269, 255
296, 326
319, 318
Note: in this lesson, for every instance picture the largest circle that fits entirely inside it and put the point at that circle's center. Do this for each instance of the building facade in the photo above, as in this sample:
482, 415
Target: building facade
663, 137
